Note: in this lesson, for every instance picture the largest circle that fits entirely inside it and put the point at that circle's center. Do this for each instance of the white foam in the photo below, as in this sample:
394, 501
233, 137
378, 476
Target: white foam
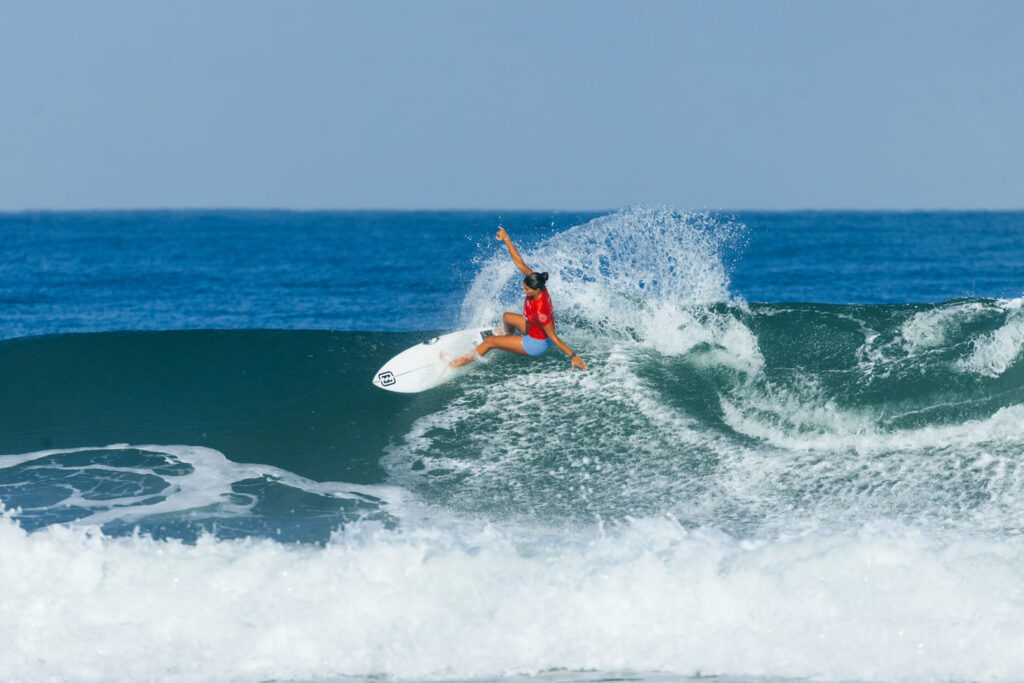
931, 332
995, 352
206, 486
818, 463
869, 604
933, 328
801, 418
510, 447
674, 331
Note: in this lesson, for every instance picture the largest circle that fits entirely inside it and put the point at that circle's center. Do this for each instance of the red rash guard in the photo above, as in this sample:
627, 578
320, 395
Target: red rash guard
537, 314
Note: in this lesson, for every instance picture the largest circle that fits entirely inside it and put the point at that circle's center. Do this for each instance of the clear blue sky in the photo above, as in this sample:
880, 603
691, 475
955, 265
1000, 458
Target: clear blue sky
571, 104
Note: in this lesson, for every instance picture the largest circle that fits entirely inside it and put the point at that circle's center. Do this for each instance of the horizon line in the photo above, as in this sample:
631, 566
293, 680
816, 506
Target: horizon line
279, 209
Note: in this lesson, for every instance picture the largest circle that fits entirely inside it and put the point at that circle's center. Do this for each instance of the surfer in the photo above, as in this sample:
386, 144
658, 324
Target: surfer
537, 324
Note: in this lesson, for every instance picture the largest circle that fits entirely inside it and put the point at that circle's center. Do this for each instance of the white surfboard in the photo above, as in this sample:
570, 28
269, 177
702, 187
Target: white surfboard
422, 367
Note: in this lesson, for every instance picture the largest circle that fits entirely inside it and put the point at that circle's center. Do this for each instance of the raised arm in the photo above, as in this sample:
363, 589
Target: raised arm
516, 258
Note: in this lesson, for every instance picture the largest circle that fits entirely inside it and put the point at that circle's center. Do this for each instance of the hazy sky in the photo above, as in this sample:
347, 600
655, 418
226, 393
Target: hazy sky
557, 104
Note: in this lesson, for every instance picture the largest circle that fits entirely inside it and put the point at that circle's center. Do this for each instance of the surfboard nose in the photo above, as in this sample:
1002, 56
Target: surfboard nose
384, 378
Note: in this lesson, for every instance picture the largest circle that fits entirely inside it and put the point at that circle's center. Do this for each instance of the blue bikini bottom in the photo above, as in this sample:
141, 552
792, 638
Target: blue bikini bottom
535, 347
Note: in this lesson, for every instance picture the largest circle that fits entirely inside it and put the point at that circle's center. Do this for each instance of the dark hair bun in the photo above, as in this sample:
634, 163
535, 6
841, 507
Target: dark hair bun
536, 280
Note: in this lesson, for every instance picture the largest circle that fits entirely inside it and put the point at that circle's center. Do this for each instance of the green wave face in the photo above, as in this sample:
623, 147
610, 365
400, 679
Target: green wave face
298, 400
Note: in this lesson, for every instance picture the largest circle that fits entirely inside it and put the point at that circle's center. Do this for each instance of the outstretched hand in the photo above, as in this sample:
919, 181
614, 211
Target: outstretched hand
577, 362
502, 235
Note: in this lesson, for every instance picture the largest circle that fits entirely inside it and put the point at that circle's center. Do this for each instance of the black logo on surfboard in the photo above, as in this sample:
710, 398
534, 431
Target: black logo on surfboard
386, 379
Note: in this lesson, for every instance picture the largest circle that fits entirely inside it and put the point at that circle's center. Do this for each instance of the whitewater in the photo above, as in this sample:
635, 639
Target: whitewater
750, 487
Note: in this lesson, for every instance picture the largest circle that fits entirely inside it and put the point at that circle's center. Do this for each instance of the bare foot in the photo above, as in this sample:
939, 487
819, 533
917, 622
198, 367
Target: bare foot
459, 362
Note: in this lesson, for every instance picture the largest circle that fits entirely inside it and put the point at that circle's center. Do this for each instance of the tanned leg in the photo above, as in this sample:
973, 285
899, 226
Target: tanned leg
512, 343
512, 322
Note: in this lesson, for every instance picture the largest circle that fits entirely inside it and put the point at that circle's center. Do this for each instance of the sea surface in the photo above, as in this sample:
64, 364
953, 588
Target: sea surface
798, 453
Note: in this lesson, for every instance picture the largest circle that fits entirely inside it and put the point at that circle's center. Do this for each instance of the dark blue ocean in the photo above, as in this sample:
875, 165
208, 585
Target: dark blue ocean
400, 271
797, 453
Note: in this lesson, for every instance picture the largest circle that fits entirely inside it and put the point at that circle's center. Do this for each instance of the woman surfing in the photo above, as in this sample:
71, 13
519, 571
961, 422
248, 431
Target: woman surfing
536, 325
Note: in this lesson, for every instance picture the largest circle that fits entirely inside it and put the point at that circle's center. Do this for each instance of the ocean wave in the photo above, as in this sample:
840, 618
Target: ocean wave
706, 429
